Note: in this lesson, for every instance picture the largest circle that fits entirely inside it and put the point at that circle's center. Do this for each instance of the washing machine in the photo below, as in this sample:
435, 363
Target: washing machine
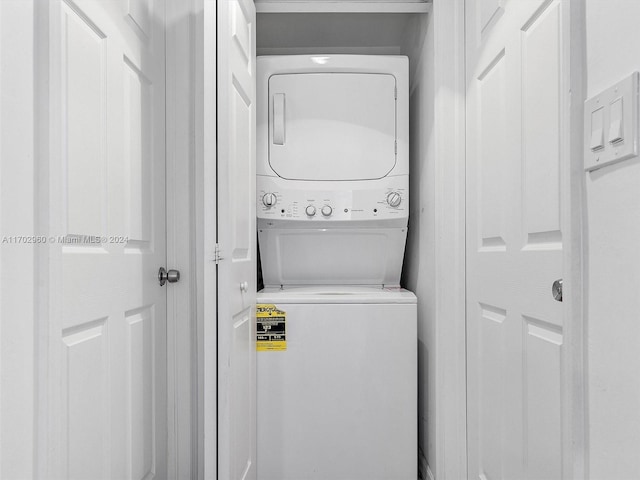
337, 384
332, 168
337, 343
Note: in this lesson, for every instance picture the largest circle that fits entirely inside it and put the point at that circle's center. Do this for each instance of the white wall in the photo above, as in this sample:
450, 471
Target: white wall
435, 257
613, 261
419, 273
17, 261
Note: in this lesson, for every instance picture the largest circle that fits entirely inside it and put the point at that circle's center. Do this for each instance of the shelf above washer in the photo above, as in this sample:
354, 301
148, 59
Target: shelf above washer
346, 6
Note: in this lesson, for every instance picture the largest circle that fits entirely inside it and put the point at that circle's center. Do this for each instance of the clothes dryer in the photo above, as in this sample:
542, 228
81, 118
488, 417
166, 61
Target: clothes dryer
332, 168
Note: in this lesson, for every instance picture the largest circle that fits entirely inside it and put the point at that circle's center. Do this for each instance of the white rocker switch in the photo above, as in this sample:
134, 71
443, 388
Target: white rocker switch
597, 130
610, 124
616, 121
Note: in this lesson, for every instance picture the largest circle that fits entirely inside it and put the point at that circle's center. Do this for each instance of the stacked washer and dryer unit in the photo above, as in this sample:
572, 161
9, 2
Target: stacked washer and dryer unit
340, 402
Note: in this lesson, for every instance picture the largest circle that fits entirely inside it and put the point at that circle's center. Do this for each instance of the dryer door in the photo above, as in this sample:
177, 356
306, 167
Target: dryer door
332, 126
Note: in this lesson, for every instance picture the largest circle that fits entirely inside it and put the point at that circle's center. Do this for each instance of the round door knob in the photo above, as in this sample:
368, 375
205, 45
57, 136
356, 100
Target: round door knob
171, 276
327, 210
269, 200
310, 210
244, 286
556, 290
394, 199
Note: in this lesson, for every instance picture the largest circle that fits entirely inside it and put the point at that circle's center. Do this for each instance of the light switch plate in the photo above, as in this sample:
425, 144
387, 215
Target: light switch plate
624, 98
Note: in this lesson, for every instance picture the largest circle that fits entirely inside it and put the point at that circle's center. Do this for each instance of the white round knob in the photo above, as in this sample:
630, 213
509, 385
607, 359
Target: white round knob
310, 210
269, 199
244, 286
327, 210
394, 199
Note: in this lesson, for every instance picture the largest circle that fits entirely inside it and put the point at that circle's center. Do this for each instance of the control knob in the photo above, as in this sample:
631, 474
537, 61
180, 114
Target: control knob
269, 200
310, 210
327, 210
394, 199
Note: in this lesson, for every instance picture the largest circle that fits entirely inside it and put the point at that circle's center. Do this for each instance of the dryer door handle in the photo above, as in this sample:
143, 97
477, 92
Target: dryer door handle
278, 119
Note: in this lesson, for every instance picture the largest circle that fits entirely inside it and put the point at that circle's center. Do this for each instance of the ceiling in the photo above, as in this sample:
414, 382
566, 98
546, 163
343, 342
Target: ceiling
331, 32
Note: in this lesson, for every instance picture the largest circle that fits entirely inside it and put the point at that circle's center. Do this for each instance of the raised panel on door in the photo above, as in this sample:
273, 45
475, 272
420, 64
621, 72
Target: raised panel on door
514, 229
85, 393
143, 405
241, 170
490, 11
236, 227
543, 375
137, 131
242, 403
492, 383
492, 162
540, 40
140, 13
84, 100
106, 386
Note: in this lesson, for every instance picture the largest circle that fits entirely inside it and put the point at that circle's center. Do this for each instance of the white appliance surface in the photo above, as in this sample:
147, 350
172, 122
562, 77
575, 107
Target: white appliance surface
332, 126
329, 256
333, 117
340, 402
332, 169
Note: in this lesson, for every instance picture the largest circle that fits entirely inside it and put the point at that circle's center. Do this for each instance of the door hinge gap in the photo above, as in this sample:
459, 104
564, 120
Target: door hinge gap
217, 253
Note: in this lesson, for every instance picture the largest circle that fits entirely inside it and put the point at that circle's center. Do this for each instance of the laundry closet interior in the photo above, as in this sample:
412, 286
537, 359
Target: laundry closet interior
330, 448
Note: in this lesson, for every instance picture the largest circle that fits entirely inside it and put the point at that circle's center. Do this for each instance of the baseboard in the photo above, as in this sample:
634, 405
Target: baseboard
424, 471
429, 474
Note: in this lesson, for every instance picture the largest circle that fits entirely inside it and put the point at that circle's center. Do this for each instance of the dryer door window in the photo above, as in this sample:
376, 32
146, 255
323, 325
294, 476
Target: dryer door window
332, 126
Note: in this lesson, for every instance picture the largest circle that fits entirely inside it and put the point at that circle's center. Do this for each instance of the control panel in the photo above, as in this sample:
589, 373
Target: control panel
382, 202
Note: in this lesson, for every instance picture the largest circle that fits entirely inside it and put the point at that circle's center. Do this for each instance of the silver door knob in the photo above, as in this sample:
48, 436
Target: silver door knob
244, 286
171, 276
556, 290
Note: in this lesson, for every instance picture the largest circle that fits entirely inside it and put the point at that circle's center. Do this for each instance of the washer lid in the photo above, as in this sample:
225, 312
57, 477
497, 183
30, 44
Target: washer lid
336, 294
332, 126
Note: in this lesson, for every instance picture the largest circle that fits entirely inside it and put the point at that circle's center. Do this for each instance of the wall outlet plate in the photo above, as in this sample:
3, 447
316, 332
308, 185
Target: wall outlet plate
611, 124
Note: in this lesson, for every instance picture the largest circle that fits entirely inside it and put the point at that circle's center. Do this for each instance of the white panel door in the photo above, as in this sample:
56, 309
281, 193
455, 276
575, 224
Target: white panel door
237, 239
105, 375
515, 159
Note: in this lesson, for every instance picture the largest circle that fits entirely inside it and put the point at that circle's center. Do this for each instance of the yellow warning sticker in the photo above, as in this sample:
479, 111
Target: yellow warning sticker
272, 332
